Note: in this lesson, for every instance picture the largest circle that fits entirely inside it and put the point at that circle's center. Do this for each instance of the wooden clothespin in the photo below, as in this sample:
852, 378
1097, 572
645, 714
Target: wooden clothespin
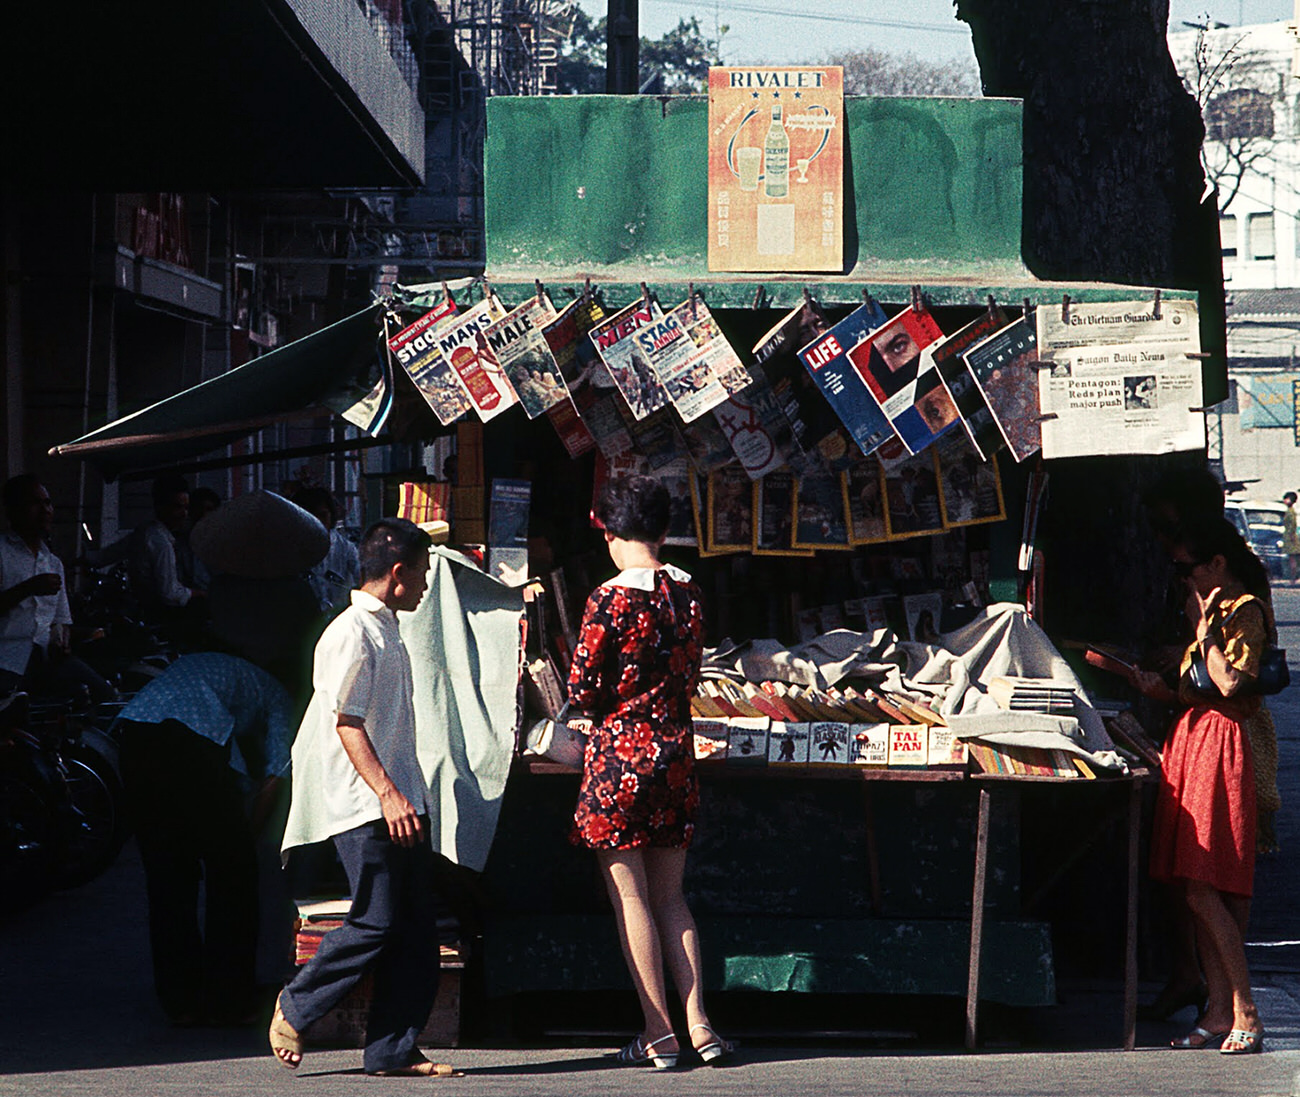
1027, 306
446, 293
757, 303
993, 305
1065, 308
487, 289
916, 298
1155, 305
586, 289
645, 293
537, 285
690, 296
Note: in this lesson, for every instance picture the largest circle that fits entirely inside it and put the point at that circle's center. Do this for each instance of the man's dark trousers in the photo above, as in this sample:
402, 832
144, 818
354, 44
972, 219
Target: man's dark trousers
392, 931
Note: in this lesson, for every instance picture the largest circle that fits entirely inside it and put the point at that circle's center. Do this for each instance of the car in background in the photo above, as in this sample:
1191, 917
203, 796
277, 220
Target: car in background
1260, 523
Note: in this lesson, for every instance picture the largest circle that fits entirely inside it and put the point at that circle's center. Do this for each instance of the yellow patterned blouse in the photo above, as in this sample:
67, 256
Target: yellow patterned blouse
1242, 627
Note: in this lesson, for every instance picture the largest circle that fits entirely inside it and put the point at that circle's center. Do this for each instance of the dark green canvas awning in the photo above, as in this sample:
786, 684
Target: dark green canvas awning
290, 382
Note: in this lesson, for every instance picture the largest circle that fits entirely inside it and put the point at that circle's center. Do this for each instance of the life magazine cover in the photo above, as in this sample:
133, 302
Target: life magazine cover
1122, 378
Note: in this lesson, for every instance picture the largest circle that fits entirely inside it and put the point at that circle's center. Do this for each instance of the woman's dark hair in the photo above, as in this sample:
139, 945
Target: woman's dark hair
635, 508
388, 542
1182, 497
1209, 537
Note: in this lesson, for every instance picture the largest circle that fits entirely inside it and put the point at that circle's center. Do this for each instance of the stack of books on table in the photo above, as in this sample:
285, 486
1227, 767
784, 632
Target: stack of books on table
781, 724
1033, 695
1003, 760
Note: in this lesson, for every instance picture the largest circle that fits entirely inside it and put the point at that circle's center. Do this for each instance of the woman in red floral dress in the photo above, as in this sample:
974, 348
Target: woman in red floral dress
634, 669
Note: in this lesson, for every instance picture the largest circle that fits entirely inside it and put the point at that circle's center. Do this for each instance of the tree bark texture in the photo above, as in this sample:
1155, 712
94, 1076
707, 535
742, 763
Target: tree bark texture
1113, 189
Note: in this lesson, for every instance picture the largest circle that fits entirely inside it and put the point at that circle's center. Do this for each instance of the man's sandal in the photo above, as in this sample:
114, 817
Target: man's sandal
1199, 1038
1247, 1040
638, 1053
716, 1049
286, 1044
421, 1068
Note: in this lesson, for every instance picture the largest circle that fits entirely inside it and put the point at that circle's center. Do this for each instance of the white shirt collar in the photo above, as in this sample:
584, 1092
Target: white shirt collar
365, 600
644, 578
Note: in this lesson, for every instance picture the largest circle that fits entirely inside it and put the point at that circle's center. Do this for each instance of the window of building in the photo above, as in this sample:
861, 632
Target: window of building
1228, 235
1260, 227
1239, 113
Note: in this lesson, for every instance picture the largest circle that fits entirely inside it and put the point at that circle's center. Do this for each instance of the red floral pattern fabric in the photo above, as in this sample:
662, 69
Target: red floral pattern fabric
635, 668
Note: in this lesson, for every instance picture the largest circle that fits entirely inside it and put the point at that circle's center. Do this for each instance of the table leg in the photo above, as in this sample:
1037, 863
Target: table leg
977, 919
1130, 932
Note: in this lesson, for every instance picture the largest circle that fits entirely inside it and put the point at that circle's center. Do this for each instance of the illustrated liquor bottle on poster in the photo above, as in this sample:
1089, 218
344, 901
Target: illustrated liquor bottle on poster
776, 169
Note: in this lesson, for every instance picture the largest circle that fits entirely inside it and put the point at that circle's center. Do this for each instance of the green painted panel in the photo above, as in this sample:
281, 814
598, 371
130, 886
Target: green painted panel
784, 955
616, 187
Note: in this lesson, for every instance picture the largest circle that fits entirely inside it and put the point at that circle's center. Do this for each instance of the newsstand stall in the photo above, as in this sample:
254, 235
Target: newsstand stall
829, 859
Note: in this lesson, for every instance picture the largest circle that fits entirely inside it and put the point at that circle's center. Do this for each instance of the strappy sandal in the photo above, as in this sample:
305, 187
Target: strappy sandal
716, 1049
286, 1044
638, 1053
1251, 1042
1206, 1039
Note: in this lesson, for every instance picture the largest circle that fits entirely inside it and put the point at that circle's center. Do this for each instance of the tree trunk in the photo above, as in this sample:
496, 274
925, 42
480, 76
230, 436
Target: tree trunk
1113, 191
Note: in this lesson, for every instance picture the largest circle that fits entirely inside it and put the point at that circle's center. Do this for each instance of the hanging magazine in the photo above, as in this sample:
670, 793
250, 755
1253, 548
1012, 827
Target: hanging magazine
828, 360
975, 415
463, 344
417, 350
776, 356
911, 492
722, 360
864, 493
572, 431
615, 340
913, 399
971, 488
680, 365
774, 516
1005, 366
518, 344
589, 384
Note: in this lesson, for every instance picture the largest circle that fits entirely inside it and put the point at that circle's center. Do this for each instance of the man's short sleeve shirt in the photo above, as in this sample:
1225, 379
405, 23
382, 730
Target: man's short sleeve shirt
361, 669
29, 622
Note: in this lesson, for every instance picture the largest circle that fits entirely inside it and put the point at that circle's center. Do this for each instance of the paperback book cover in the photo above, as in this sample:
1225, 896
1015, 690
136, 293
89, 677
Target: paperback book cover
945, 750
711, 738
871, 744
521, 348
830, 743
747, 741
909, 745
416, 348
463, 343
707, 444
788, 743
828, 360
976, 418
902, 381
1005, 366
615, 339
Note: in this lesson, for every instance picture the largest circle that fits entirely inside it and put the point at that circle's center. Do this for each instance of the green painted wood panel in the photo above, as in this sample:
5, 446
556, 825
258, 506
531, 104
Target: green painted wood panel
616, 187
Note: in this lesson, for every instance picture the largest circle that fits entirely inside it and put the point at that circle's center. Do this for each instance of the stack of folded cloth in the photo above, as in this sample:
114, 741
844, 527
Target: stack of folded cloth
1033, 695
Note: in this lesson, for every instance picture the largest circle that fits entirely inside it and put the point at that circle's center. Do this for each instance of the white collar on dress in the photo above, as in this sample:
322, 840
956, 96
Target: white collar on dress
644, 578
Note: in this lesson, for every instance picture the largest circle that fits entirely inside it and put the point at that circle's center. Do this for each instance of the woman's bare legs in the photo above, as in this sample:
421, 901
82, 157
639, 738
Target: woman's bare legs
1220, 922
624, 872
679, 940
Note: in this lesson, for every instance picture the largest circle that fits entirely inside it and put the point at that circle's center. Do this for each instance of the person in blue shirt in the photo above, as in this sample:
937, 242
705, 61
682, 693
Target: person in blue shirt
210, 735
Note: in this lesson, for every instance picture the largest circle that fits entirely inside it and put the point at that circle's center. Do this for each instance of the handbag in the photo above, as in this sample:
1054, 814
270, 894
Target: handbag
557, 741
1273, 677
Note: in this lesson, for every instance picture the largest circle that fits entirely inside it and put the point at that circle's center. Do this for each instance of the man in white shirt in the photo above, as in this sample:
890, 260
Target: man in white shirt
34, 614
358, 781
151, 562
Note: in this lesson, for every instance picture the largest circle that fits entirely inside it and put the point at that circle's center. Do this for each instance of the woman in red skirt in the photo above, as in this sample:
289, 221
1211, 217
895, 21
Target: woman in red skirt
1203, 837
634, 669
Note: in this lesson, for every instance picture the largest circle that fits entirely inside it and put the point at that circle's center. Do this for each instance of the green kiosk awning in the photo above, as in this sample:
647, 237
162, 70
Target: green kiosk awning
300, 379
